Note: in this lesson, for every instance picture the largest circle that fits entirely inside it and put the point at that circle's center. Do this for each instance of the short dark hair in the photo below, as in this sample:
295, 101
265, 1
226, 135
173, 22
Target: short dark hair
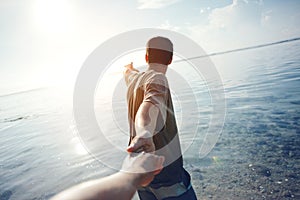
159, 50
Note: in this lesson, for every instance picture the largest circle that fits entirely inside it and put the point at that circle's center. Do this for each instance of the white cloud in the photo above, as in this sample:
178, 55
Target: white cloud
168, 26
275, 22
240, 13
244, 23
155, 4
204, 10
229, 27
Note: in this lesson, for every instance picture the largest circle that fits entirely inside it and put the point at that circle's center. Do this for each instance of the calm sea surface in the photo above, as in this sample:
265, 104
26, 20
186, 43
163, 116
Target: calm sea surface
41, 153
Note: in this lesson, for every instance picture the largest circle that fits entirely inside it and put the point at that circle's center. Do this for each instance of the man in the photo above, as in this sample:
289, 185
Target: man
121, 185
152, 123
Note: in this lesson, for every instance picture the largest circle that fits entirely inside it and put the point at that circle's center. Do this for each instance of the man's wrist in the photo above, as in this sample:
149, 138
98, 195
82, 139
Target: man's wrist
144, 134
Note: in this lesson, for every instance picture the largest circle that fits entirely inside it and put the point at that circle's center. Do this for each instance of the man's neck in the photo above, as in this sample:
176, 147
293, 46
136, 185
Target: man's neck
158, 67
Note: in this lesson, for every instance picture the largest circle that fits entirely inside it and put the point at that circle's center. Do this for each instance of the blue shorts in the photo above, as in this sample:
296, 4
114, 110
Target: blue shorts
179, 191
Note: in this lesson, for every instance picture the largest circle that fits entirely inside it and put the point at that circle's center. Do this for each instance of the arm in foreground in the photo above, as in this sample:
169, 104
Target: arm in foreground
138, 170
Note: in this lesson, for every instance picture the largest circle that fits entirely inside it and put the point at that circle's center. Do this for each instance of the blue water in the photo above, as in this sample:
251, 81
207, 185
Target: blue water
40, 153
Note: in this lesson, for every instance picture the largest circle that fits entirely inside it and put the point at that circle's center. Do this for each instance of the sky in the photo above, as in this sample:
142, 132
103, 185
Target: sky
45, 42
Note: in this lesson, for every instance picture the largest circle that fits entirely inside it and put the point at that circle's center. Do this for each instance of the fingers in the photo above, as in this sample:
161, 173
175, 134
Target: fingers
143, 163
151, 163
129, 66
140, 144
149, 166
160, 162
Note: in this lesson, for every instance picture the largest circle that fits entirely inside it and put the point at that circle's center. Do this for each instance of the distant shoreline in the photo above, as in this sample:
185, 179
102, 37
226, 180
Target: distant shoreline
22, 91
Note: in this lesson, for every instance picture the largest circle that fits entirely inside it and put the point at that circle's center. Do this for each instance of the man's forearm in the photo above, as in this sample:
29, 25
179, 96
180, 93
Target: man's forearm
146, 118
145, 124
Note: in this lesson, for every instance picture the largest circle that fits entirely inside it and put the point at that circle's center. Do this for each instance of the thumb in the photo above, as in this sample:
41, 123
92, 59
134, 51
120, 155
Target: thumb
134, 146
131, 65
130, 148
159, 163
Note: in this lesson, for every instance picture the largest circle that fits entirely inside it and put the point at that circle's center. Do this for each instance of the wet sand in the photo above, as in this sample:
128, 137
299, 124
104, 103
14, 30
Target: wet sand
251, 166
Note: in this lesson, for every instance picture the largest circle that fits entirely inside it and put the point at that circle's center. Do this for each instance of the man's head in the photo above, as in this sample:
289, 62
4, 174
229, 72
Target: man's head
159, 50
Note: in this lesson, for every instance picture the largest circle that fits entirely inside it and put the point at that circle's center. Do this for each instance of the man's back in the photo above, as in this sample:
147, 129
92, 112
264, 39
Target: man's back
153, 125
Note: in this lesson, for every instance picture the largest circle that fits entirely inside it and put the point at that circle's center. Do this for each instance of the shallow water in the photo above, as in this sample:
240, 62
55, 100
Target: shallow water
257, 156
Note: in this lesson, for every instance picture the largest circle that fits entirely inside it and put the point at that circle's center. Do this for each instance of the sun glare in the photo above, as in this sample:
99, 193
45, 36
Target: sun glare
52, 16
78, 147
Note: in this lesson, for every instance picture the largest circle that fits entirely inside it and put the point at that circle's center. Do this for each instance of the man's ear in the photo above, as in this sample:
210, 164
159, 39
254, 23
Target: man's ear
146, 58
170, 61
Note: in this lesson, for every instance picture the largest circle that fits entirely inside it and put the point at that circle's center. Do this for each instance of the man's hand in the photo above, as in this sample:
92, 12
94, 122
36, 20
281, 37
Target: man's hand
141, 143
142, 167
130, 67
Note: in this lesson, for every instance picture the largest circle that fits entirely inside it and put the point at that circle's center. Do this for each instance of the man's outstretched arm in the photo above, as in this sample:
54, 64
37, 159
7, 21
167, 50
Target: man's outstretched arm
148, 113
145, 123
129, 72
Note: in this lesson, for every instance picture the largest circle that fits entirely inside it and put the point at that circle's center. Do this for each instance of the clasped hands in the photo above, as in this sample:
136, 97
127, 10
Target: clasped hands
141, 161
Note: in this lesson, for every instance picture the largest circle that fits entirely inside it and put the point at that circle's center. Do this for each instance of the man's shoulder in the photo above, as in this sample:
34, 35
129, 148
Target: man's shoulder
152, 73
152, 76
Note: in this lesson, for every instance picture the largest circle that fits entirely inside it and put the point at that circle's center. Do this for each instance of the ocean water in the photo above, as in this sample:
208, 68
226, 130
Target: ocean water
257, 155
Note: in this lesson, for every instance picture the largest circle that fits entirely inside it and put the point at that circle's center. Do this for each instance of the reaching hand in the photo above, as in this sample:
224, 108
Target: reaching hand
130, 67
141, 143
137, 170
143, 167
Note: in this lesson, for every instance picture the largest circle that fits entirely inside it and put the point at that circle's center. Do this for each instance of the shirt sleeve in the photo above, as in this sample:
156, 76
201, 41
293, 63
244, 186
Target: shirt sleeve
129, 76
156, 90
